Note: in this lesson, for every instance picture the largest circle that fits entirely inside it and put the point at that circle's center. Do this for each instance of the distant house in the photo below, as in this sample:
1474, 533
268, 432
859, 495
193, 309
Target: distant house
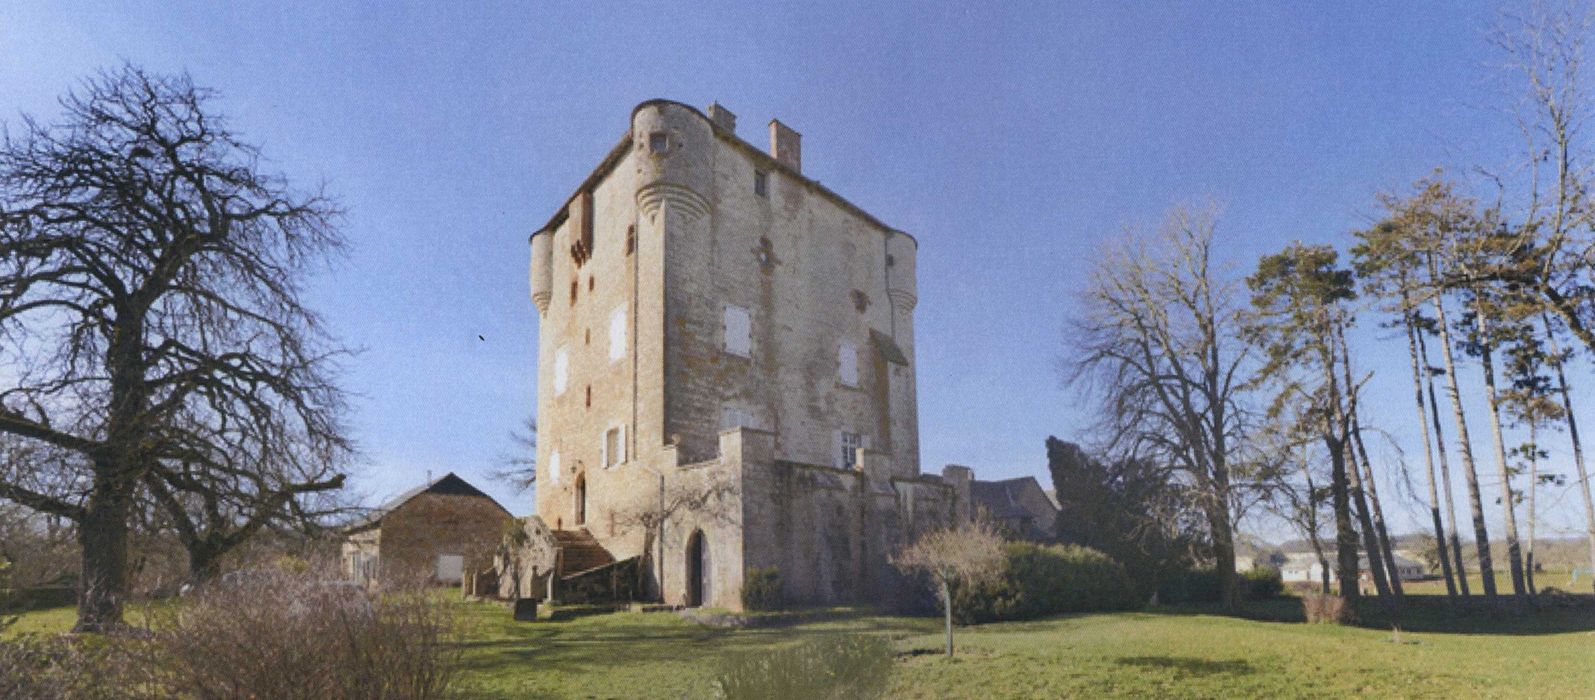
437, 532
1019, 506
1304, 567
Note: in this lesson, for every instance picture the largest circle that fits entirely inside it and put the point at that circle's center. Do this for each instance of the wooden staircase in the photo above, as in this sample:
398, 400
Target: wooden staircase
580, 552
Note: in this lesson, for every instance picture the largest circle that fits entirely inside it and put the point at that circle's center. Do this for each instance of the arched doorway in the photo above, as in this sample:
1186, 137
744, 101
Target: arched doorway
581, 499
699, 590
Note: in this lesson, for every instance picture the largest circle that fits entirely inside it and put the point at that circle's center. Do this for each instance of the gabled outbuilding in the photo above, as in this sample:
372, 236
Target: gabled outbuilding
436, 533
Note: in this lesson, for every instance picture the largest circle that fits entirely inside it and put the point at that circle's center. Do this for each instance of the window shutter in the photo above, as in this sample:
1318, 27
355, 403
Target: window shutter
553, 467
561, 371
738, 331
622, 445
836, 450
847, 363
617, 333
603, 448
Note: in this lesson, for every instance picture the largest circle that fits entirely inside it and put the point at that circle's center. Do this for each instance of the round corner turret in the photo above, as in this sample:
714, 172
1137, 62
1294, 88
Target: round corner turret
542, 269
674, 147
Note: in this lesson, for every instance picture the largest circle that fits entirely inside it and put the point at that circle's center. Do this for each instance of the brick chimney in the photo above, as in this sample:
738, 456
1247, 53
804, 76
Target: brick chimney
723, 117
786, 145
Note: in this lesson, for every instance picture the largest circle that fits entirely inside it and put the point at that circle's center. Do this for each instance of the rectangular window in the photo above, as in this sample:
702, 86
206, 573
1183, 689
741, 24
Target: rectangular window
450, 568
851, 442
561, 371
761, 183
658, 142
553, 467
617, 333
614, 447
847, 364
738, 332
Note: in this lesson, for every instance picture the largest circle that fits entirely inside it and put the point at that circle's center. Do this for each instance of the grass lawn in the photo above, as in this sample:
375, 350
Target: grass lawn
1167, 653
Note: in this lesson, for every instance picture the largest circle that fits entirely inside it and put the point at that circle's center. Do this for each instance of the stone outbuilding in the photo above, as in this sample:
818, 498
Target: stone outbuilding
438, 532
1018, 506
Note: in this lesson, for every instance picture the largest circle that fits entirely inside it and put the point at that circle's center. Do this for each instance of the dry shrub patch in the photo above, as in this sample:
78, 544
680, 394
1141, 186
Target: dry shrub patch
282, 635
261, 635
1326, 608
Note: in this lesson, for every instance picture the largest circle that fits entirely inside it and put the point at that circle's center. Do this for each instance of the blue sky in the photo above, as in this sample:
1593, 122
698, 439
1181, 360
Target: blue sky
1011, 141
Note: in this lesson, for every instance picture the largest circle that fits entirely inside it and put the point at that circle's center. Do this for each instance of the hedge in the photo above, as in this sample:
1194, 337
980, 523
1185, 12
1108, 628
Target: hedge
1047, 580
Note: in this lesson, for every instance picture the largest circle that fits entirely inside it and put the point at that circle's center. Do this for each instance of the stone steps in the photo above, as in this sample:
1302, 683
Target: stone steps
580, 552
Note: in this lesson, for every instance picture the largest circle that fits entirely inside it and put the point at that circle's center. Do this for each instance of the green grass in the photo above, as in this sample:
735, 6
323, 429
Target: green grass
1166, 653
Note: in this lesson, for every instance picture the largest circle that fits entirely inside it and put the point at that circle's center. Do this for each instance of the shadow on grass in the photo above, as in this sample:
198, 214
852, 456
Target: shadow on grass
1428, 614
1189, 666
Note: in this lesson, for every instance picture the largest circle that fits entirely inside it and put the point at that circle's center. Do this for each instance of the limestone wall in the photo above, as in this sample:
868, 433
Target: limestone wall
428, 525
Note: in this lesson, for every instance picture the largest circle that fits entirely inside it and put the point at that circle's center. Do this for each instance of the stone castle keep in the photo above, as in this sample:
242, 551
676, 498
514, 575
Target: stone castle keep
725, 378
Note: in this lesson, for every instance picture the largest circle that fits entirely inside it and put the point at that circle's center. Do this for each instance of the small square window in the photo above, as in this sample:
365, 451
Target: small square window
658, 142
761, 183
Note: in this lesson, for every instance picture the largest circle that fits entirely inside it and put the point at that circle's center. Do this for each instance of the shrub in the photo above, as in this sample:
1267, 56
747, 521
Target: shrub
761, 588
1262, 583
1047, 580
1326, 608
291, 635
1190, 586
56, 668
842, 667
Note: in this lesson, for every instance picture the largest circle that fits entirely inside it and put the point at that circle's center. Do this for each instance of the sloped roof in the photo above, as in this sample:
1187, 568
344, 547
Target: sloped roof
449, 484
1001, 499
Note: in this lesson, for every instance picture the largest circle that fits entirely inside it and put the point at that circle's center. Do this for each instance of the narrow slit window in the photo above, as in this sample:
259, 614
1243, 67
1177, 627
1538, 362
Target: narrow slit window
761, 183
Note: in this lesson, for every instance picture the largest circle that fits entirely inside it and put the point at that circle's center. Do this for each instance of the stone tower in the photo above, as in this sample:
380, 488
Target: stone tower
709, 314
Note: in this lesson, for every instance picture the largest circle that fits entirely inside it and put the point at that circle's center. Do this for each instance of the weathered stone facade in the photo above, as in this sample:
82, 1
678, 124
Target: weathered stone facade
438, 532
714, 322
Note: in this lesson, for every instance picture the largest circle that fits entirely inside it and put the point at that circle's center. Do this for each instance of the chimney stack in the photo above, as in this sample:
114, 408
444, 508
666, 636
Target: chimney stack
723, 117
786, 145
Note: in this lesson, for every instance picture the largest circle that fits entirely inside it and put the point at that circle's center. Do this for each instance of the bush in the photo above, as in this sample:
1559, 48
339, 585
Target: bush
1262, 583
1190, 586
839, 668
1047, 580
761, 588
1326, 608
291, 635
57, 668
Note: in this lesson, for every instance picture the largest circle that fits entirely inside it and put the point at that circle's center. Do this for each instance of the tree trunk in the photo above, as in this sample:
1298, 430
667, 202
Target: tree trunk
1345, 533
1348, 487
1312, 527
1481, 532
1514, 551
1578, 453
947, 610
1224, 554
204, 562
1457, 561
1381, 563
1370, 540
1428, 458
1386, 553
103, 586
1534, 485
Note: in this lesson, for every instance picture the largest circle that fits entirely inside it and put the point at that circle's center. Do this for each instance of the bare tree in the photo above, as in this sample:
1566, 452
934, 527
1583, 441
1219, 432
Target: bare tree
150, 317
519, 466
1158, 338
967, 554
703, 495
